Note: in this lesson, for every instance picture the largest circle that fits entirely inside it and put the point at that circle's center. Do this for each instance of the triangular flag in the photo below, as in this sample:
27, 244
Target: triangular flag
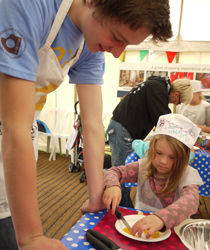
143, 53
170, 56
122, 56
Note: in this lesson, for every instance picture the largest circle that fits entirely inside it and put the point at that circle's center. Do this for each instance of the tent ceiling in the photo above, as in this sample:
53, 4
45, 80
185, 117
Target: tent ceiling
189, 20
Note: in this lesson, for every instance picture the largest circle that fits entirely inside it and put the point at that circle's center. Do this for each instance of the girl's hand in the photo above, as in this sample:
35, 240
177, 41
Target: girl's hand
88, 207
112, 197
152, 223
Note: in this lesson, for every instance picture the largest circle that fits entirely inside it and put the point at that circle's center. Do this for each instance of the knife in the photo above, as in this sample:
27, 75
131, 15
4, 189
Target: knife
100, 241
121, 217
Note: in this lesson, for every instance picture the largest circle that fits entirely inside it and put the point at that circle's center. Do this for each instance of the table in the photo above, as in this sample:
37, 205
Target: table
104, 222
201, 162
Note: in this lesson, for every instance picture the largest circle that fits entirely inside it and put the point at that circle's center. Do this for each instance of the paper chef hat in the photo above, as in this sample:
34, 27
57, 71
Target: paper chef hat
196, 86
179, 127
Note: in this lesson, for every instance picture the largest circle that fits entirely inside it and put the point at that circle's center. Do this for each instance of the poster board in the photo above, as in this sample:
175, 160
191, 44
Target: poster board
131, 74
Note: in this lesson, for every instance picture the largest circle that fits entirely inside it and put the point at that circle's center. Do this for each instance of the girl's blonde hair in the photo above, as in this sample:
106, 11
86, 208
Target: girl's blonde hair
181, 159
184, 87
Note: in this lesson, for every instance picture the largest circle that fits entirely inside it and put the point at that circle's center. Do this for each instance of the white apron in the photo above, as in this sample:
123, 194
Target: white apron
49, 74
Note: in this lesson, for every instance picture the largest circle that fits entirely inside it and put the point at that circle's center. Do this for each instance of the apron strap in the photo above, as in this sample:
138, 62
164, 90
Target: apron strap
74, 60
59, 18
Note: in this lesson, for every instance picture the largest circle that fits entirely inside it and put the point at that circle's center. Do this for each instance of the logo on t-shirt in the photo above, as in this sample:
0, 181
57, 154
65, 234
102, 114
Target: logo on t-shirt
12, 43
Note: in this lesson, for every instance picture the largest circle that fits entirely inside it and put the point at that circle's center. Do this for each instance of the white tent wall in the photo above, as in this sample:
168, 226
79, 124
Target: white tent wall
191, 40
64, 96
111, 77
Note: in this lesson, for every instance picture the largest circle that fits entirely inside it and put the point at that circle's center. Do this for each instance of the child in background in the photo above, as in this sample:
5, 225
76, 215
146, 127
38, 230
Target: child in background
198, 111
167, 185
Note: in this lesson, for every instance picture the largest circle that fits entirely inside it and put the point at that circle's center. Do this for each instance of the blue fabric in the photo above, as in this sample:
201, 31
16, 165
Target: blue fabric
7, 235
75, 238
201, 162
192, 156
120, 142
140, 147
42, 126
25, 31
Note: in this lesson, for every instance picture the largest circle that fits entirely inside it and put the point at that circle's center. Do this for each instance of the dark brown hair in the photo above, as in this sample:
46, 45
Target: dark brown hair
152, 14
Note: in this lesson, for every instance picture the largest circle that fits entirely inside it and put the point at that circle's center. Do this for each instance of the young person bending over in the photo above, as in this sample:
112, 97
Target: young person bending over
41, 42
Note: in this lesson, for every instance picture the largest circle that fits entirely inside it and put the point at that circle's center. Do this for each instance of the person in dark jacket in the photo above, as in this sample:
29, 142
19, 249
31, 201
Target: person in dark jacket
138, 112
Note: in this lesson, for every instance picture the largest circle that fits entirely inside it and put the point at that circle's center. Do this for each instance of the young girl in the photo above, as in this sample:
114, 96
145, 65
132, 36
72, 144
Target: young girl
167, 185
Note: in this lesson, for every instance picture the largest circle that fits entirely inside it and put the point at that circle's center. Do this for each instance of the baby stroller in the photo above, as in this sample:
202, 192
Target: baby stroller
77, 149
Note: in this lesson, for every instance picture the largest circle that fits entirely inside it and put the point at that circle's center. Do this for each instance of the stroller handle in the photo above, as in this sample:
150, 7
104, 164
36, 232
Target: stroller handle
75, 107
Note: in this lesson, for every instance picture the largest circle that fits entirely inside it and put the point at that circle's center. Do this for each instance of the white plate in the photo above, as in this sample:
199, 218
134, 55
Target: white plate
132, 219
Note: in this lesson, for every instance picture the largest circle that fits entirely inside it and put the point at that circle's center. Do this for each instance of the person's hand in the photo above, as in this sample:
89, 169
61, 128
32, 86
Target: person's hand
43, 243
200, 126
88, 207
152, 223
112, 197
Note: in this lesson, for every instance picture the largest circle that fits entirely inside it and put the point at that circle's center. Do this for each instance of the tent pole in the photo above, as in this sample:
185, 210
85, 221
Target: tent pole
180, 21
179, 38
179, 30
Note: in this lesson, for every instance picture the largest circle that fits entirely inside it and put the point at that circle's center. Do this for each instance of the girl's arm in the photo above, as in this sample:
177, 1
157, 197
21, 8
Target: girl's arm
122, 174
170, 216
182, 208
112, 179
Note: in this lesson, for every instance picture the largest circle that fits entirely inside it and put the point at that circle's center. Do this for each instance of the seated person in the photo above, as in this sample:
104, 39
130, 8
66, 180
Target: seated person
167, 185
138, 112
205, 79
198, 111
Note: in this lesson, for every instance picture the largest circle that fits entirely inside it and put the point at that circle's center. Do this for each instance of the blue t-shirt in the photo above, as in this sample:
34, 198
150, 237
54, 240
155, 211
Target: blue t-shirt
24, 28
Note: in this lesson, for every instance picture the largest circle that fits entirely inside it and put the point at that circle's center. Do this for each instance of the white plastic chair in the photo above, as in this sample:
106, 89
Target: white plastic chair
59, 122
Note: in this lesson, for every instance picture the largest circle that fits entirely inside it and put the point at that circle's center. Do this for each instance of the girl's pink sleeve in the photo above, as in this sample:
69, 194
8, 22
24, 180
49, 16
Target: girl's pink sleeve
122, 174
181, 209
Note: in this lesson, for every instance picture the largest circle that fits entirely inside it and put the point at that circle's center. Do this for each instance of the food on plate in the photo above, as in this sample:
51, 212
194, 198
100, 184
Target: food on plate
154, 235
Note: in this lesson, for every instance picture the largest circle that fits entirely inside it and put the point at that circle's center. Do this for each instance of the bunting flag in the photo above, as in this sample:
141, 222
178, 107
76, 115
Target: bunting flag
170, 56
122, 56
143, 53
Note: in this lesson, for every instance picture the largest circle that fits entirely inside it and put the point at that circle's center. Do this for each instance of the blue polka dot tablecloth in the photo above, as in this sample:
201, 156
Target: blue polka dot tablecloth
104, 223
132, 158
202, 164
75, 238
